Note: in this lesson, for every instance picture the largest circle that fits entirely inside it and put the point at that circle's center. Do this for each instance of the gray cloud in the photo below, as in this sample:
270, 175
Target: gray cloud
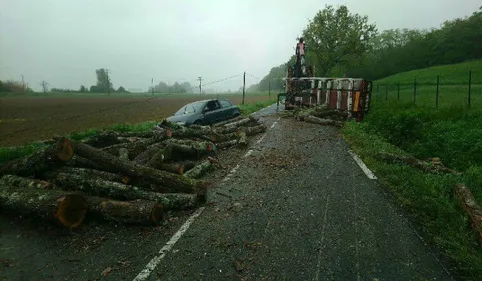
63, 42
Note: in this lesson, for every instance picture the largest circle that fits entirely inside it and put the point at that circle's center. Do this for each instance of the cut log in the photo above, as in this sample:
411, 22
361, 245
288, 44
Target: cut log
144, 157
127, 212
226, 137
123, 154
242, 122
227, 144
199, 170
435, 168
468, 202
174, 168
174, 182
251, 131
194, 151
320, 121
62, 207
137, 147
160, 156
192, 131
86, 173
21, 182
228, 121
42, 160
103, 139
243, 140
224, 130
81, 162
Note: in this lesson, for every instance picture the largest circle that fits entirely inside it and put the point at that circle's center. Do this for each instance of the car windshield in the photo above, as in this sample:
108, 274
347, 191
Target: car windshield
190, 108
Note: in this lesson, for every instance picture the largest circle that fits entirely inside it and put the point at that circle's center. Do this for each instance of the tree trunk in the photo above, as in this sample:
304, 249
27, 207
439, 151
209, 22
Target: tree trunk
251, 131
124, 154
226, 137
81, 162
320, 121
160, 156
42, 160
127, 212
220, 124
144, 157
103, 139
174, 182
468, 202
199, 170
243, 140
137, 147
87, 174
174, 168
435, 168
242, 122
192, 131
62, 207
21, 182
194, 151
118, 191
227, 144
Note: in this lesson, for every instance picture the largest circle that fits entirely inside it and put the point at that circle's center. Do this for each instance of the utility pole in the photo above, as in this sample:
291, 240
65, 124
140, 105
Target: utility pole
200, 79
152, 86
244, 85
23, 83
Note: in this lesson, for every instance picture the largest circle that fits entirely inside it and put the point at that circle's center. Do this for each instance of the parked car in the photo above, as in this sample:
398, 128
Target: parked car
205, 112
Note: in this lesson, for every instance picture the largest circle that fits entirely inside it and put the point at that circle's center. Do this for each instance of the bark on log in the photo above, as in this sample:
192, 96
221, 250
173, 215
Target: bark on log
223, 130
192, 131
243, 141
174, 168
199, 170
103, 139
137, 147
144, 157
227, 144
174, 182
242, 122
87, 174
66, 208
220, 124
226, 137
127, 212
160, 156
21, 182
42, 160
320, 121
194, 151
124, 154
81, 162
434, 168
468, 202
251, 131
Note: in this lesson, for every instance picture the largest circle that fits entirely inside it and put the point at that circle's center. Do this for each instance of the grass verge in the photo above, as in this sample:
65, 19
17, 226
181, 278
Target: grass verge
429, 197
247, 109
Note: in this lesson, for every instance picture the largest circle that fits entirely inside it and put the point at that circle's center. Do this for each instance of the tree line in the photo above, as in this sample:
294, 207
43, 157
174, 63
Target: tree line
340, 43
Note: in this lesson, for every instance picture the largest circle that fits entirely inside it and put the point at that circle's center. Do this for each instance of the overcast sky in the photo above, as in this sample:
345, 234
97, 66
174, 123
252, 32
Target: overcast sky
63, 42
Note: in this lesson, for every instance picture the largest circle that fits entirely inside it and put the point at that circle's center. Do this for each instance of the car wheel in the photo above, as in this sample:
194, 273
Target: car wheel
198, 122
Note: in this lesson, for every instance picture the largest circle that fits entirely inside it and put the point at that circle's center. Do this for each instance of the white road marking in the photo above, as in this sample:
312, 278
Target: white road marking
261, 139
273, 125
144, 274
322, 240
362, 165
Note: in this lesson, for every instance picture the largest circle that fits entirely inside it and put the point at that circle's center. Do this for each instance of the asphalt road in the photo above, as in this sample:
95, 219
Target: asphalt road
296, 206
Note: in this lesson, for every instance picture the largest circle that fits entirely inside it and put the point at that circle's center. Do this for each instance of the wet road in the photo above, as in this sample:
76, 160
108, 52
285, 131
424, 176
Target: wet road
295, 206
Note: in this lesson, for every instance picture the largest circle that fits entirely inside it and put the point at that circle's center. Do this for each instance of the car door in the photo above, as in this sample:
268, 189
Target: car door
212, 112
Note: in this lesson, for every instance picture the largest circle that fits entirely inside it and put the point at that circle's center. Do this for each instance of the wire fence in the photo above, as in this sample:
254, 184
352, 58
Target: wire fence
433, 93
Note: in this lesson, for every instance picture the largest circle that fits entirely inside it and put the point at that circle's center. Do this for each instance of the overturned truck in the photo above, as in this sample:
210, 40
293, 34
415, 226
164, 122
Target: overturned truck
351, 95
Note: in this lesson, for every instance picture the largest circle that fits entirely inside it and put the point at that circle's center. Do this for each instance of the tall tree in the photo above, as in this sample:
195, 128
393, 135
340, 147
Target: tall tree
103, 81
335, 36
45, 86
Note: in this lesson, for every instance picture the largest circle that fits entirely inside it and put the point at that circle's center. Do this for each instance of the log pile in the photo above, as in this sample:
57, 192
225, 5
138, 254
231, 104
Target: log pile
125, 177
320, 115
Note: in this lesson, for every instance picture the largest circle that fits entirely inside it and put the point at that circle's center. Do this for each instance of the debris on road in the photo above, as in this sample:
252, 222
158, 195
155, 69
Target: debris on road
125, 177
468, 202
432, 165
318, 115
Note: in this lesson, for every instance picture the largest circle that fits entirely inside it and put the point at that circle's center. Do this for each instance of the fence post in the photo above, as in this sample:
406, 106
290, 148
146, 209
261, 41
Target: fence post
398, 90
470, 85
414, 90
386, 91
436, 97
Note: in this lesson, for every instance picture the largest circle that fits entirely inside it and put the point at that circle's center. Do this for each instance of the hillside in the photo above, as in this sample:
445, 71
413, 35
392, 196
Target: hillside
449, 74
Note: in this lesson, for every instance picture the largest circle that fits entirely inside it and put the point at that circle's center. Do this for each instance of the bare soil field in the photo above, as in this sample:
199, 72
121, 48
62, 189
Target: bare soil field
27, 119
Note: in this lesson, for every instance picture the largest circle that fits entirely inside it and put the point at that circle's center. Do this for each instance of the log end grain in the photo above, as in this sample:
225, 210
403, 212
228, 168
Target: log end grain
71, 210
65, 149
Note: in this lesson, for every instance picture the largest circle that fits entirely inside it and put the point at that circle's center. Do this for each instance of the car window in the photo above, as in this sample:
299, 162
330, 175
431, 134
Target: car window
180, 111
225, 103
190, 108
212, 105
